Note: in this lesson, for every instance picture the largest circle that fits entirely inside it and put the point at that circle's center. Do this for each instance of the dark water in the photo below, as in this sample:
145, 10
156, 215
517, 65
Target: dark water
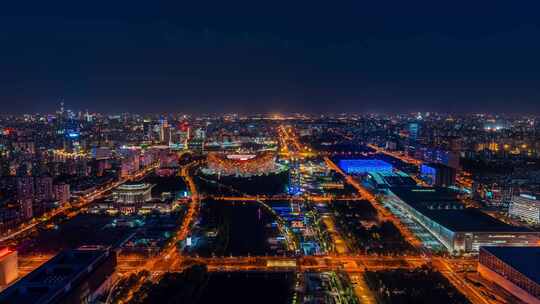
255, 185
247, 233
244, 229
236, 287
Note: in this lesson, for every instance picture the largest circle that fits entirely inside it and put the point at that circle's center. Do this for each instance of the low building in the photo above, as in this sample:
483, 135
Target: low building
132, 199
516, 269
72, 276
460, 229
8, 266
129, 197
526, 208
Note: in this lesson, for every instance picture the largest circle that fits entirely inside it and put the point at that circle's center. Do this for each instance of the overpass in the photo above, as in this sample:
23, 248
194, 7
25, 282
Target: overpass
349, 263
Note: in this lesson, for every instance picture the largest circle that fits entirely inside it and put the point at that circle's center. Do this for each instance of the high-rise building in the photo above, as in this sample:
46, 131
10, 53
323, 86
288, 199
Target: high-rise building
62, 193
164, 132
414, 131
25, 187
435, 155
526, 208
25, 195
44, 188
26, 208
130, 162
200, 134
167, 135
438, 175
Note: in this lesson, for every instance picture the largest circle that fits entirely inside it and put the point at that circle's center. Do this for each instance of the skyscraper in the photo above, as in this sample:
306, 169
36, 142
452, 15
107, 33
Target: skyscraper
62, 193
44, 188
164, 132
414, 130
25, 195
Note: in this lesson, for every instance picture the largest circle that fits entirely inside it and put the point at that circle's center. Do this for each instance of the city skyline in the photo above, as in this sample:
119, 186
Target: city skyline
350, 204
346, 152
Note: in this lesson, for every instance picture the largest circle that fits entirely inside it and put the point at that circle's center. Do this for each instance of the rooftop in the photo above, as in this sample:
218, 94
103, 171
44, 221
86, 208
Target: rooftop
46, 283
134, 186
364, 165
424, 196
365, 162
469, 220
526, 260
437, 165
442, 206
392, 179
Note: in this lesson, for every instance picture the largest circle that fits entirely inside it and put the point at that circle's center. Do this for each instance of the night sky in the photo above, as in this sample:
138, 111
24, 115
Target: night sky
270, 56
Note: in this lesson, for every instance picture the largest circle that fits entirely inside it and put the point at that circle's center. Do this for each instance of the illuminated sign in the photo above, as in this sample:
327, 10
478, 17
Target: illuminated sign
73, 134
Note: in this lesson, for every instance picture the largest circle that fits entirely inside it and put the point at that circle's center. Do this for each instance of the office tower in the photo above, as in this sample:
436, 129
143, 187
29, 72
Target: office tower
438, 175
414, 130
62, 193
25, 195
44, 188
526, 208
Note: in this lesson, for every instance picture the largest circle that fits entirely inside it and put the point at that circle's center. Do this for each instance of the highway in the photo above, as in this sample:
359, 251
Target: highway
354, 268
353, 263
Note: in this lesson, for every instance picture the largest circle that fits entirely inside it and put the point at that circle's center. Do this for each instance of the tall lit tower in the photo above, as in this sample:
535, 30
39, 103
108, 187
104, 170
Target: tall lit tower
164, 131
414, 130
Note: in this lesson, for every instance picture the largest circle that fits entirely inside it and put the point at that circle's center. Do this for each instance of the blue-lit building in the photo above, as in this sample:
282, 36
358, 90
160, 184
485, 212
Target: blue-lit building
362, 166
439, 175
414, 130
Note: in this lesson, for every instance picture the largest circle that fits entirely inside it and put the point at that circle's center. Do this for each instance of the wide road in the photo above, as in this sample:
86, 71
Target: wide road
354, 263
442, 265
382, 212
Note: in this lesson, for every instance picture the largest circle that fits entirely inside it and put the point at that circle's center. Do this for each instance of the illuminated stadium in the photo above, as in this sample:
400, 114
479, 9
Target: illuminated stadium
242, 164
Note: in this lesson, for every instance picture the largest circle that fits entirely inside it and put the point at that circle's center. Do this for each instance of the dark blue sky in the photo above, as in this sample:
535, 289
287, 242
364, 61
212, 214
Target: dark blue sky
267, 56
